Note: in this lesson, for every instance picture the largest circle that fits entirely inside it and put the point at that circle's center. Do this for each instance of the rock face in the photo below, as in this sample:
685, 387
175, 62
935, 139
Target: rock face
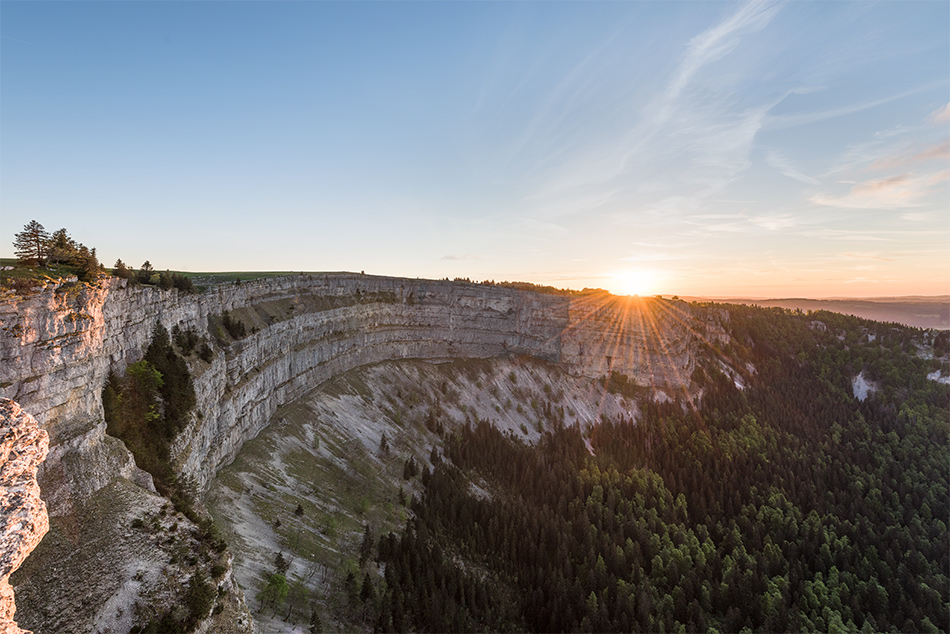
23, 519
58, 345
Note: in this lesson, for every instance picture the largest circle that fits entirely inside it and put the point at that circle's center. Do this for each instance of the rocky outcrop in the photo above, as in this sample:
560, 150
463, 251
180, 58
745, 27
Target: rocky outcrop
23, 519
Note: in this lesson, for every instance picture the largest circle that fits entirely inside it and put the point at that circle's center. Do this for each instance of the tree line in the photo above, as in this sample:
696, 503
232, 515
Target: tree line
35, 247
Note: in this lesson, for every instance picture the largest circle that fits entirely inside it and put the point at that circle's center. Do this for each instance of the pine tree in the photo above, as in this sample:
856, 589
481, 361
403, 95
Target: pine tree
89, 265
281, 564
121, 270
367, 591
62, 249
145, 272
316, 623
367, 546
32, 244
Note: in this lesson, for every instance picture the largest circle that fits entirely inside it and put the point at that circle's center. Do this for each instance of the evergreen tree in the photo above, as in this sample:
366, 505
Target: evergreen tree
145, 272
31, 245
89, 267
281, 564
316, 623
62, 248
367, 591
367, 546
121, 270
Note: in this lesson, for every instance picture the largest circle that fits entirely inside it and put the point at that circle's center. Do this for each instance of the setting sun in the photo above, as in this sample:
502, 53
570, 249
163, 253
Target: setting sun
634, 282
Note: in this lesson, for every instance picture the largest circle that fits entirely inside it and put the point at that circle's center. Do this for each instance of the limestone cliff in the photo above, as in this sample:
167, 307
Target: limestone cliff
58, 345
23, 519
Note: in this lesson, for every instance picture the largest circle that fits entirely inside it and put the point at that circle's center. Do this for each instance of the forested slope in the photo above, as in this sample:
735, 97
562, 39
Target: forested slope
776, 501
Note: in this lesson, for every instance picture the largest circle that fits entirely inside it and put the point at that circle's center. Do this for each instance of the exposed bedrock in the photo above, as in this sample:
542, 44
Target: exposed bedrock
23, 519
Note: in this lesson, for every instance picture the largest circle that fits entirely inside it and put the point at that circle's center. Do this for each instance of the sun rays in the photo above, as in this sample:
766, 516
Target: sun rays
640, 282
651, 340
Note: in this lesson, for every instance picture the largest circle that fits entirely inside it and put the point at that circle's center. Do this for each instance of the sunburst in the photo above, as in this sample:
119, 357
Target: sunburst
635, 282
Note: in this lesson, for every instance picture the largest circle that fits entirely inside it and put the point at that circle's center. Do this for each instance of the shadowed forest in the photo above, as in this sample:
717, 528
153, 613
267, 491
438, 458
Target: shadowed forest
788, 505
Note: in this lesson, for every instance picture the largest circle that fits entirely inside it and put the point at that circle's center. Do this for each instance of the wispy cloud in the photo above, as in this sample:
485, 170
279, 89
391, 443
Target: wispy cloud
940, 115
865, 255
846, 235
901, 149
713, 44
774, 223
679, 148
781, 163
919, 216
788, 121
940, 151
894, 192
460, 258
655, 257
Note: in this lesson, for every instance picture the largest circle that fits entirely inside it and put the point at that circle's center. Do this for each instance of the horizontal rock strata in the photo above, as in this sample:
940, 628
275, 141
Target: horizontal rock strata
57, 347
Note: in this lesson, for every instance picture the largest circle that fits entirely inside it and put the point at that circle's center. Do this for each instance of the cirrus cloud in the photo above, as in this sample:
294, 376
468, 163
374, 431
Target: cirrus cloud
894, 192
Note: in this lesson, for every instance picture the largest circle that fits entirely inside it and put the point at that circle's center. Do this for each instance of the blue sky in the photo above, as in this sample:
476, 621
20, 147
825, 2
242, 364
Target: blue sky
701, 148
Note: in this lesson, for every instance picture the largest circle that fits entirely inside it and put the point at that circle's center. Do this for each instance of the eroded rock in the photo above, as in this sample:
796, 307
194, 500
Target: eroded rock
23, 519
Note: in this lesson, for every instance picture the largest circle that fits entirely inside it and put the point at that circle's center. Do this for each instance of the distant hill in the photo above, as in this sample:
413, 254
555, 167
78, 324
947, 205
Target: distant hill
921, 312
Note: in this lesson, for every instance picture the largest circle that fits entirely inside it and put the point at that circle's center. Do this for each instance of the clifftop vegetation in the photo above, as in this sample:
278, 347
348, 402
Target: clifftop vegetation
43, 256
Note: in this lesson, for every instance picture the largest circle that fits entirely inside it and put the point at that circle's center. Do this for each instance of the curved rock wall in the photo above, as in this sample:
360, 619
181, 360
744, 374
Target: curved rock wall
57, 347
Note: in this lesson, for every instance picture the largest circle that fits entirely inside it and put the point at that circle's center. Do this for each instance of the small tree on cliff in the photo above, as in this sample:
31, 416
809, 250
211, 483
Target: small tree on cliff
88, 263
31, 244
121, 270
145, 272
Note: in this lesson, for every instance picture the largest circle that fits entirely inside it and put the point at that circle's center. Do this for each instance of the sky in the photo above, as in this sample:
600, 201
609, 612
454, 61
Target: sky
718, 149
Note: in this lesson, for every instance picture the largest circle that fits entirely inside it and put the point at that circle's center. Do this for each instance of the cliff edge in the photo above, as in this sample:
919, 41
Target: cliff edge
23, 519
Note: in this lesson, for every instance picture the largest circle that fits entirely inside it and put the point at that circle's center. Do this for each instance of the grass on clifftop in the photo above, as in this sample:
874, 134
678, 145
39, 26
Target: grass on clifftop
21, 276
28, 276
